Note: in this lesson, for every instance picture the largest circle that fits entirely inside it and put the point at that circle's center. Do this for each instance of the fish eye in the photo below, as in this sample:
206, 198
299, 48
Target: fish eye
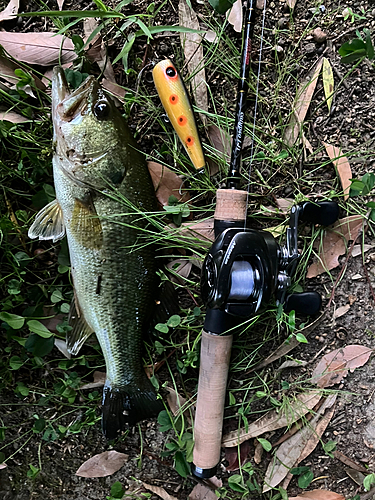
101, 110
171, 72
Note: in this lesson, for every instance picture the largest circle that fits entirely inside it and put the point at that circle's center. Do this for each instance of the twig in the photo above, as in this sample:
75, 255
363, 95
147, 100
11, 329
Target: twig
368, 281
353, 28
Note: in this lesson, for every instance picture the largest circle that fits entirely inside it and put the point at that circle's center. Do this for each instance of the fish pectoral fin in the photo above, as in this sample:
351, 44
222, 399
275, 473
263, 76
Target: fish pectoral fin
86, 225
80, 332
49, 223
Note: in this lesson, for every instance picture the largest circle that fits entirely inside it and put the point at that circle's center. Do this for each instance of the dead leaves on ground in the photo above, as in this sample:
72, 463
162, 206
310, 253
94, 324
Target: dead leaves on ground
103, 464
10, 10
334, 244
342, 167
166, 183
334, 366
42, 48
318, 495
160, 492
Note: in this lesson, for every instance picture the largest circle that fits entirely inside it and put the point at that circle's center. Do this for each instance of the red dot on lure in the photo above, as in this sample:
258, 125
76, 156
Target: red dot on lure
189, 140
182, 120
173, 99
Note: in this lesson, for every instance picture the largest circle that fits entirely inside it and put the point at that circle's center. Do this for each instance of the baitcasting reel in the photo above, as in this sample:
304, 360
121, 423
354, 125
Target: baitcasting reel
246, 267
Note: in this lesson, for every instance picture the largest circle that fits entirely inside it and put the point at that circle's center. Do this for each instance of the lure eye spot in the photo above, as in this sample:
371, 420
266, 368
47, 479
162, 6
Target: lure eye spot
173, 99
171, 72
182, 120
189, 141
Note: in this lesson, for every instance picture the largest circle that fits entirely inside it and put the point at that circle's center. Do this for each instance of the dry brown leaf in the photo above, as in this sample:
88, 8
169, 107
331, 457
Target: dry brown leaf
102, 465
7, 68
182, 267
13, 117
203, 492
358, 249
301, 105
60, 3
274, 420
318, 495
175, 401
193, 51
203, 230
315, 436
258, 452
340, 311
260, 4
334, 366
342, 167
289, 452
99, 381
10, 10
211, 36
97, 52
159, 491
166, 183
42, 48
231, 455
349, 462
291, 3
2, 466
220, 141
235, 16
334, 244
284, 204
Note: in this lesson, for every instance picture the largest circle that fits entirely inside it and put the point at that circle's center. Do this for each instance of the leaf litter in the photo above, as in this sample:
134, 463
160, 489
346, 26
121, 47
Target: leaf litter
334, 244
10, 10
318, 495
299, 446
102, 465
342, 166
334, 366
235, 16
328, 82
166, 183
160, 492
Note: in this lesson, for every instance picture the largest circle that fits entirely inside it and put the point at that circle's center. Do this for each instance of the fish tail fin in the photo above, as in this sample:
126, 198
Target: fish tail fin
124, 406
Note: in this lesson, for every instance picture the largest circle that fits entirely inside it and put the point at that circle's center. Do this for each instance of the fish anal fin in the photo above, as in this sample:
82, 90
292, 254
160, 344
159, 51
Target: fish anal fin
80, 332
49, 223
86, 226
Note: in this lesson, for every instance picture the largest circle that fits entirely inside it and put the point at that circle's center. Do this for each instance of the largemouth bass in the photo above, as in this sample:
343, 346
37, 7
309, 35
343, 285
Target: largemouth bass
96, 163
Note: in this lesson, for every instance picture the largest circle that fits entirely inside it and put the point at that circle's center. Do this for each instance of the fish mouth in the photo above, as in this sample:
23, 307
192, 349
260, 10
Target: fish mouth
68, 104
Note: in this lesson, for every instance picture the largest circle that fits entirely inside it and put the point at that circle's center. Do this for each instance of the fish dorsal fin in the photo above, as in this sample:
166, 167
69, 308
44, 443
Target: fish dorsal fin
48, 224
80, 332
85, 224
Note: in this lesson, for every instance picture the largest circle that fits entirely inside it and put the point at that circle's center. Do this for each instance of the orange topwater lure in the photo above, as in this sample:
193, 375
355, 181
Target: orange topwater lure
174, 97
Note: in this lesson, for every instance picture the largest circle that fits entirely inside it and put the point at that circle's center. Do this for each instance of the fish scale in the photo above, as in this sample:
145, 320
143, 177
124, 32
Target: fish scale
97, 162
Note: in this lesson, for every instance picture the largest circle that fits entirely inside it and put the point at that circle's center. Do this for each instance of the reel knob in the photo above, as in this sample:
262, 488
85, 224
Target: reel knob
306, 303
323, 213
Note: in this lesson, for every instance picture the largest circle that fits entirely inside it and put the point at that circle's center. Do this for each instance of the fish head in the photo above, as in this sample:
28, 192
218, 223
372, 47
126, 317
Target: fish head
89, 132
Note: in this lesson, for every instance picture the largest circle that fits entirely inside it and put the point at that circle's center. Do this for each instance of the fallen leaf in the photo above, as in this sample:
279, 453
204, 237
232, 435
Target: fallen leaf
231, 455
166, 183
13, 117
42, 48
221, 141
348, 461
356, 476
284, 204
211, 36
182, 268
274, 419
159, 491
99, 381
328, 82
334, 366
193, 51
289, 452
235, 16
342, 166
203, 230
258, 452
62, 347
291, 364
10, 10
175, 401
334, 244
203, 492
96, 51
113, 88
102, 465
318, 495
340, 311
60, 3
301, 105
291, 3
2, 466
359, 249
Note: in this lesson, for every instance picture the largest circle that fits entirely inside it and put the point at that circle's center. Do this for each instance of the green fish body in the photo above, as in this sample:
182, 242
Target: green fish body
102, 189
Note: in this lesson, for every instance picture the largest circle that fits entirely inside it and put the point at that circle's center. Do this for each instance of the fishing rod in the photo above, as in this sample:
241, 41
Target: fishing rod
245, 269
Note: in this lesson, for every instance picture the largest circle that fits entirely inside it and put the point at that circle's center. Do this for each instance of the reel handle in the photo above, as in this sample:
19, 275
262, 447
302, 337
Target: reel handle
212, 386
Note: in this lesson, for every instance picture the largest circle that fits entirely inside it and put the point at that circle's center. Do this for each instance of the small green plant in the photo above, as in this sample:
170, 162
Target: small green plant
358, 48
348, 12
369, 481
305, 476
329, 447
117, 491
364, 187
